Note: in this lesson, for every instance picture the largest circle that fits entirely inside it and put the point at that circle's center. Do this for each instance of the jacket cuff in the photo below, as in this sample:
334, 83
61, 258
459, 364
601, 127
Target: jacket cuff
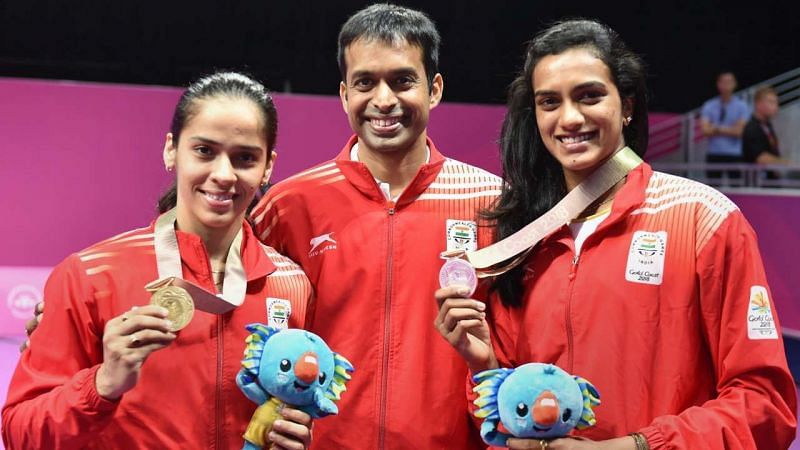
654, 437
85, 387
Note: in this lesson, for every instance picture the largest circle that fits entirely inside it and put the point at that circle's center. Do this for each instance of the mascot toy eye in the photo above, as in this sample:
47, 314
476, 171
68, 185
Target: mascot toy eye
288, 367
532, 401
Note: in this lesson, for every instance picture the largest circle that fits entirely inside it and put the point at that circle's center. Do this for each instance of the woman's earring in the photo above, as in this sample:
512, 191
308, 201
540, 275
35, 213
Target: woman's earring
169, 168
627, 121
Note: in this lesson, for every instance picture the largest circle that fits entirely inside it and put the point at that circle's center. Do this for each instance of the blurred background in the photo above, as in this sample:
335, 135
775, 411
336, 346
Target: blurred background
292, 44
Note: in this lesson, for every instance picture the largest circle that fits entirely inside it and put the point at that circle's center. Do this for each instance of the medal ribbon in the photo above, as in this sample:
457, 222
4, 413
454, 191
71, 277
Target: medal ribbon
516, 247
170, 271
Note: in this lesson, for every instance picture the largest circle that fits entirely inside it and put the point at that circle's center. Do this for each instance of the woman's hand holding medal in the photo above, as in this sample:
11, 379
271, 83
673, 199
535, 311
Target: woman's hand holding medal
128, 340
462, 322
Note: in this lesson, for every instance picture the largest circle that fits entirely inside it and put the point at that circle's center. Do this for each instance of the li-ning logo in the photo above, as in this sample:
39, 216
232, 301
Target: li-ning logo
321, 244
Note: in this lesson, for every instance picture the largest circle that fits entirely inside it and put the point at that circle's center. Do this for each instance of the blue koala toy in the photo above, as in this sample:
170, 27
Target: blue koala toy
288, 367
532, 401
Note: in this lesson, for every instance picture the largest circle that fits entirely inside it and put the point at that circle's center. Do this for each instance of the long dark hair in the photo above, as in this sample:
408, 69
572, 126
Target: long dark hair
220, 84
534, 180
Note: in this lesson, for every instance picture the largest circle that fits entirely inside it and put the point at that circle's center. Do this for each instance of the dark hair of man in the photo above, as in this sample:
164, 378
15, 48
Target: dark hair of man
392, 24
231, 85
534, 180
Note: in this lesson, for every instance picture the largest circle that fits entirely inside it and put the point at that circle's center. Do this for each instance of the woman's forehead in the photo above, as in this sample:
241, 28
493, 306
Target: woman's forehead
572, 66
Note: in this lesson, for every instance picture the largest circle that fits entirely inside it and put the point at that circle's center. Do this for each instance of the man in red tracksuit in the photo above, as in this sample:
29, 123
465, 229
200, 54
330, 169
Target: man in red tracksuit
368, 227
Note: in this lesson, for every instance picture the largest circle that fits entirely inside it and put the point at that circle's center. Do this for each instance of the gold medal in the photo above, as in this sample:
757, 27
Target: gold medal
178, 303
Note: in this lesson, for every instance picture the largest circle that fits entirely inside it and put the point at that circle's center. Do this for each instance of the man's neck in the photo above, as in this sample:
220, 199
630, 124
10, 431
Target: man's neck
726, 98
398, 167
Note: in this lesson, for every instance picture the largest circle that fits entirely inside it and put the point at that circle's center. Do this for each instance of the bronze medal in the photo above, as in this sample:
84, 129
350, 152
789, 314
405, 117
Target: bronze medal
178, 303
506, 254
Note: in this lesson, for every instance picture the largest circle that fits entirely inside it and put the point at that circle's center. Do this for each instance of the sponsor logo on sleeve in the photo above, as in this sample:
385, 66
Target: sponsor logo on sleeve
760, 322
646, 257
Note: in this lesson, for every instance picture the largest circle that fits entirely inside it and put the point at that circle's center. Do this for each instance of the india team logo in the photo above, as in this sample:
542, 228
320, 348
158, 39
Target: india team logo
760, 323
646, 257
462, 235
278, 312
647, 246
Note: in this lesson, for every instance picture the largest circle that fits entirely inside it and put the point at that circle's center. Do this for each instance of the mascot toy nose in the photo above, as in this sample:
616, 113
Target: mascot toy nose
545, 409
306, 368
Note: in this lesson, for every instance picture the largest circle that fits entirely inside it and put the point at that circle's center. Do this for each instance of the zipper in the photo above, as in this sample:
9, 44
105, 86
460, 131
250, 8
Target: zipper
574, 267
572, 271
218, 400
386, 324
218, 416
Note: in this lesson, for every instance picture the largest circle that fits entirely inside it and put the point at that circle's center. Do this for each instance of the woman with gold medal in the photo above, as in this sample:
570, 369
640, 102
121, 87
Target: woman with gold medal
655, 292
144, 332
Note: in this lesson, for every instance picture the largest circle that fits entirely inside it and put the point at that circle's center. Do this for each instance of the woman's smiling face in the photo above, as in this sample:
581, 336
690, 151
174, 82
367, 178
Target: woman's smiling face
221, 159
579, 111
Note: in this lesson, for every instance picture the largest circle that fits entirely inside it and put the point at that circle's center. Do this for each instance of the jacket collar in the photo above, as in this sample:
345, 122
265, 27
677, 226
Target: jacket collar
362, 179
194, 255
629, 197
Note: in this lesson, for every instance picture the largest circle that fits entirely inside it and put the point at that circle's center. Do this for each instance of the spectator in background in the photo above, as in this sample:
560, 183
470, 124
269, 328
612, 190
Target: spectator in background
722, 120
759, 141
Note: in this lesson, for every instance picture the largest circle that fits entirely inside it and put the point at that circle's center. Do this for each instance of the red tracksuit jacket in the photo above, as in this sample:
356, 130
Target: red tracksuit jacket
374, 265
186, 396
668, 313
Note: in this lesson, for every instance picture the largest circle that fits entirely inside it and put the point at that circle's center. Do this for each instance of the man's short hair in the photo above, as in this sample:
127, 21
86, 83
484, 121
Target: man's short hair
392, 24
762, 92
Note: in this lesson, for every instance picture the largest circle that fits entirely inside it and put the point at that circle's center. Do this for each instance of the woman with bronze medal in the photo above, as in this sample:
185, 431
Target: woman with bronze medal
652, 288
144, 332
